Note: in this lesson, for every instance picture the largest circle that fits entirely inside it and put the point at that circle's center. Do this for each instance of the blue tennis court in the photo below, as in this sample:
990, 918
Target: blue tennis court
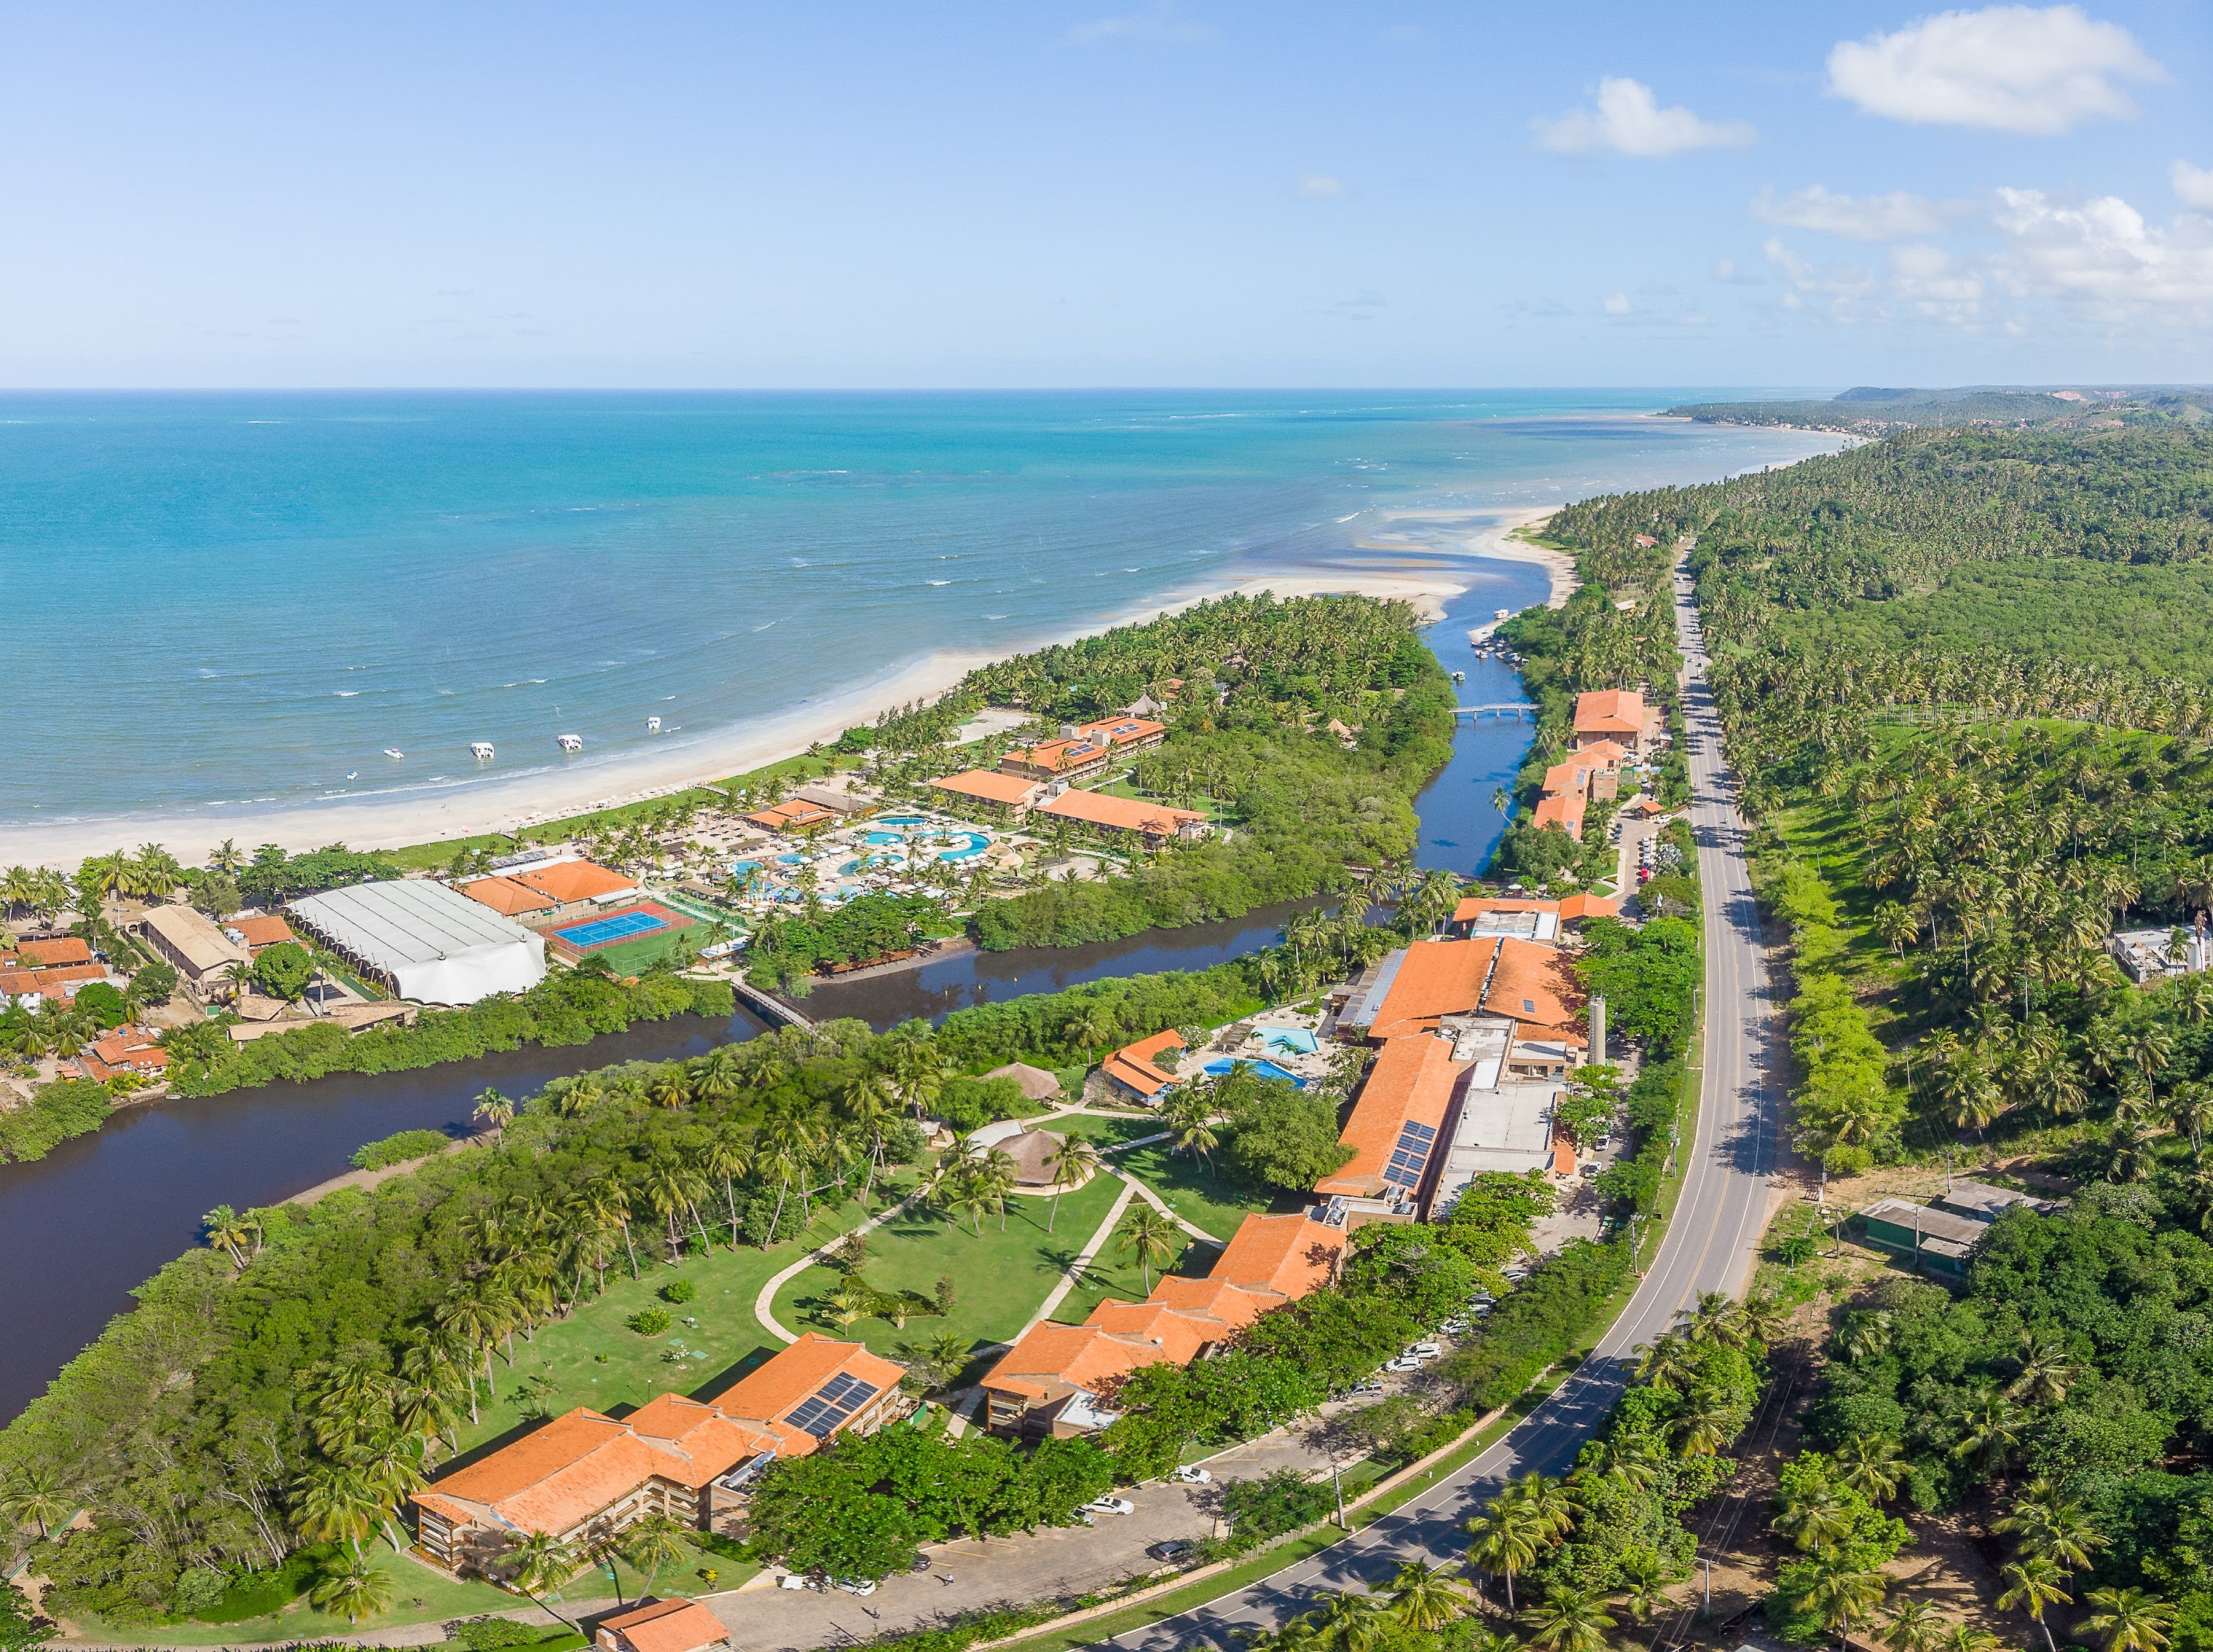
616, 927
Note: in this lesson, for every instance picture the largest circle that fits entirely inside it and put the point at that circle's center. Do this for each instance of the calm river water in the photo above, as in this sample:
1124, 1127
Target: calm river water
96, 1217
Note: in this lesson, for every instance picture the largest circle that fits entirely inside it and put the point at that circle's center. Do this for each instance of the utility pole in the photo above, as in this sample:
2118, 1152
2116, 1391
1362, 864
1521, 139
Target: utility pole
1708, 1608
1337, 1484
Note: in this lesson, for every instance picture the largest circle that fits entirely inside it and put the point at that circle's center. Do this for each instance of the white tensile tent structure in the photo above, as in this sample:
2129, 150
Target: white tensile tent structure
428, 942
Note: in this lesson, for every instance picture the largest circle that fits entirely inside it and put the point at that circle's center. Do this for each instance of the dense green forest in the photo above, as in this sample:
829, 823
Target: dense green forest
1873, 411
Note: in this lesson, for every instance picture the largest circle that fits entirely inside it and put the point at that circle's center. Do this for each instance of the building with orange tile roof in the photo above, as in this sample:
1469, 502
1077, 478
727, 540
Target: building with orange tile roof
507, 898
1395, 1120
1417, 986
1125, 733
1049, 1382
1605, 754
793, 814
1156, 822
1562, 809
1014, 795
1574, 909
1618, 715
1131, 1067
662, 1626
255, 934
1073, 758
1533, 919
63, 979
64, 949
124, 1050
567, 882
1530, 985
585, 1475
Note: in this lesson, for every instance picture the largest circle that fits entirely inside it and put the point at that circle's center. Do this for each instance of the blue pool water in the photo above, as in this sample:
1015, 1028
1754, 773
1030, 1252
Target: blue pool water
884, 838
1299, 1040
973, 844
599, 931
1265, 1069
791, 860
902, 819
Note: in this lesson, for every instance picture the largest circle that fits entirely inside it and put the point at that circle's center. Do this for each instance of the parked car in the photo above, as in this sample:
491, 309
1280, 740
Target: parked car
1363, 1388
794, 1580
1192, 1474
1602, 1143
1111, 1505
1456, 1327
1403, 1364
1171, 1549
1423, 1350
854, 1585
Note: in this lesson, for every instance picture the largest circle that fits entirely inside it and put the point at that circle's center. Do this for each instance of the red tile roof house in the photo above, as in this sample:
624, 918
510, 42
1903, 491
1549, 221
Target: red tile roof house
1049, 1383
585, 1475
126, 1049
1618, 715
1133, 1069
662, 1626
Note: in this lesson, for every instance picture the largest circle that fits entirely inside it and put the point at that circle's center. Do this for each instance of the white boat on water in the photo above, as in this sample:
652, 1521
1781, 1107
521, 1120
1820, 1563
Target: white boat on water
571, 743
1502, 613
394, 752
652, 725
480, 750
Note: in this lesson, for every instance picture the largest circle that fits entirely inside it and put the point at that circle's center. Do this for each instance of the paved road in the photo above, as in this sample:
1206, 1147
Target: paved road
1708, 1246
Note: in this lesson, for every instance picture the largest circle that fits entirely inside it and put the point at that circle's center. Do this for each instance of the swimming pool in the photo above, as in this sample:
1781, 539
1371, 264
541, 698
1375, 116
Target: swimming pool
902, 819
1262, 1069
614, 927
791, 860
884, 838
1297, 1040
972, 845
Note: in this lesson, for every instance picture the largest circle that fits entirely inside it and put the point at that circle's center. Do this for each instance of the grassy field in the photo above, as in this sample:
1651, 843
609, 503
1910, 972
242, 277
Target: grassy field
999, 1277
595, 1359
1215, 1203
420, 1595
1111, 1275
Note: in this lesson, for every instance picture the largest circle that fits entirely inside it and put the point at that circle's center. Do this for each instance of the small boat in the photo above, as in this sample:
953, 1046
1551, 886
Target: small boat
652, 725
570, 743
353, 774
394, 752
480, 750
1502, 613
1460, 676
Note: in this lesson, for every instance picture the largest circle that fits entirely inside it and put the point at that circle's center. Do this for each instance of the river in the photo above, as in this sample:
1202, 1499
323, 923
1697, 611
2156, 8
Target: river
84, 1225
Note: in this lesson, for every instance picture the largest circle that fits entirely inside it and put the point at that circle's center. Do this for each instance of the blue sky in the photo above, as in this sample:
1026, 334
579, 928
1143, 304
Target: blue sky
1121, 193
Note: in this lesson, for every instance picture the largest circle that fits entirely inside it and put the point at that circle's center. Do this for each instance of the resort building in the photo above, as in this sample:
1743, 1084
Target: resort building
576, 882
508, 898
1618, 715
1499, 1127
1125, 734
1073, 758
585, 1475
257, 933
1561, 809
421, 940
201, 954
1049, 1384
793, 814
662, 1626
1156, 822
1005, 797
124, 1050
1395, 1124
29, 987
1416, 987
1137, 1069
60, 952
849, 801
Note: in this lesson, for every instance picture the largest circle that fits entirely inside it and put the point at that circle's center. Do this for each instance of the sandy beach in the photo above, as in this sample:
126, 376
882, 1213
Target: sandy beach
471, 808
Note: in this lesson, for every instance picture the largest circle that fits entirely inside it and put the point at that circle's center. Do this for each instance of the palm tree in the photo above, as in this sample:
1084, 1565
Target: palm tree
1960, 1638
226, 1227
353, 1587
1994, 1426
1913, 1627
725, 1158
1814, 1523
2129, 1620
1506, 1537
1843, 1593
1427, 1598
1354, 1623
494, 1109
1874, 1468
1072, 1164
1147, 1236
2045, 1370
540, 1561
34, 1495
655, 1543
1568, 1621
2033, 1583
338, 1504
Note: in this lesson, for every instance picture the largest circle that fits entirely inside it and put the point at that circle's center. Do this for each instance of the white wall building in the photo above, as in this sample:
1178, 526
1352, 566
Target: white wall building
424, 940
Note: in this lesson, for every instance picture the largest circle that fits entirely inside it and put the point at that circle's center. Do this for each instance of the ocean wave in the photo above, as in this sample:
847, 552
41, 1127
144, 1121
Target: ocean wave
346, 694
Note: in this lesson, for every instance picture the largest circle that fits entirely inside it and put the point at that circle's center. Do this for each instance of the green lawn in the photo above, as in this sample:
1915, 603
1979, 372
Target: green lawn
1110, 1275
421, 1594
1216, 1202
594, 1359
999, 1277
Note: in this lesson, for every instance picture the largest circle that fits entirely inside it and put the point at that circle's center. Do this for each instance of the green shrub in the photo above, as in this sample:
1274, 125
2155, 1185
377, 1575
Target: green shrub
649, 1321
679, 1290
398, 1149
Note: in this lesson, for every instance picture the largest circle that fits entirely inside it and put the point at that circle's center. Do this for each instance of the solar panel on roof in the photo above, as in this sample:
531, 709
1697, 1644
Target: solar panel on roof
846, 1390
1418, 1131
1401, 1177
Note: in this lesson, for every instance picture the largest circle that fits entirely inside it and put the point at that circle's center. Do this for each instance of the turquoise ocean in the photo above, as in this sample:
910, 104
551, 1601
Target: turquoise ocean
219, 601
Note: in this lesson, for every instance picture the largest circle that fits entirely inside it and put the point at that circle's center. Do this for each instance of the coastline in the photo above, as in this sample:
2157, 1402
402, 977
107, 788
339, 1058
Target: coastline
529, 799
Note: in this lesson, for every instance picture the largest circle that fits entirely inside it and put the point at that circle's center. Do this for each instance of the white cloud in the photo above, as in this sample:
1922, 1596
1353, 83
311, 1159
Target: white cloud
2012, 69
1163, 24
1937, 283
1616, 304
1724, 269
2102, 256
1629, 120
2193, 185
1869, 217
1320, 186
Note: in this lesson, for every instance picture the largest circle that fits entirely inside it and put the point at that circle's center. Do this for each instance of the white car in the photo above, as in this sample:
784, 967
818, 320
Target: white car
1192, 1474
1422, 1351
1111, 1505
1403, 1364
794, 1580
1365, 1386
854, 1585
